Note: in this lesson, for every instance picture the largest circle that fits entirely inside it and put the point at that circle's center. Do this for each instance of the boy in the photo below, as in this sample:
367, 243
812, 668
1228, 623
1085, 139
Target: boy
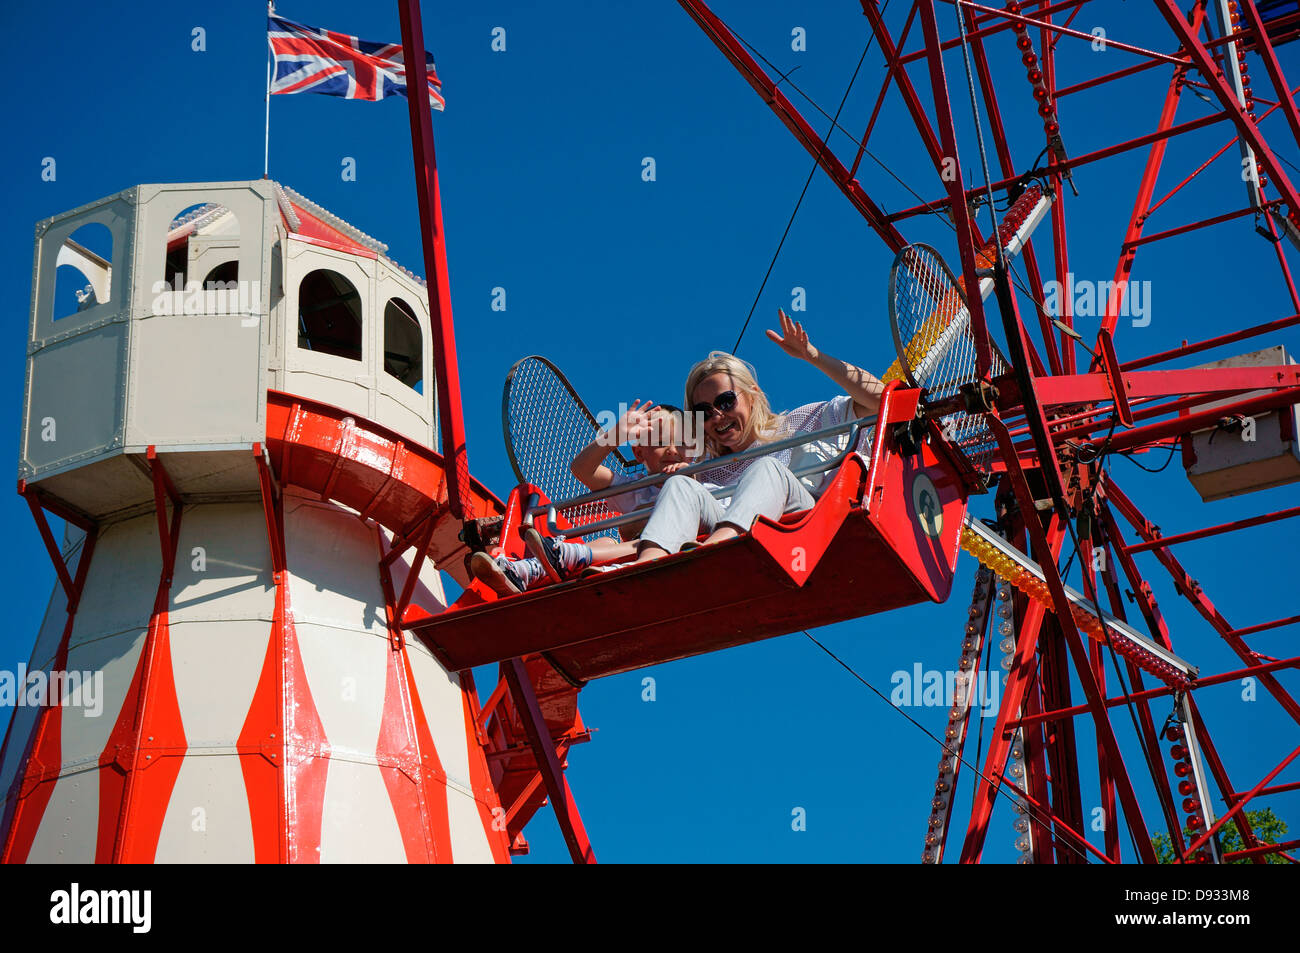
656, 434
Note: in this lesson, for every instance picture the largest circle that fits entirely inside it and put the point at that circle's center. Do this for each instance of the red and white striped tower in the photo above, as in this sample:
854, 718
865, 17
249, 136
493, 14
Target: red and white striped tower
235, 423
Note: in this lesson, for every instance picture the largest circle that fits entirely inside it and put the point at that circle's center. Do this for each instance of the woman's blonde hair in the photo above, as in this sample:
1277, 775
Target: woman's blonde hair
762, 423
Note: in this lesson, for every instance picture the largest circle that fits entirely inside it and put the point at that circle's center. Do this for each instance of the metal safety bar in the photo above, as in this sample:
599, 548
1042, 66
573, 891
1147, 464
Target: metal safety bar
853, 427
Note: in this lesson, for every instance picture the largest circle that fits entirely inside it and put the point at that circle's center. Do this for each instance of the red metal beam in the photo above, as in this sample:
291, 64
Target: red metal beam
1272, 789
1090, 388
753, 74
989, 91
1083, 671
1264, 626
1151, 741
905, 87
1190, 589
1140, 213
1042, 746
167, 535
1227, 97
1203, 223
413, 573
1066, 31
1208, 418
1097, 659
429, 200
884, 87
557, 787
1206, 164
1261, 850
1072, 163
1001, 26
1211, 343
1220, 773
1237, 808
1107, 78
1264, 50
1074, 836
1148, 411
1051, 689
961, 218
1145, 599
1013, 697
51, 546
1281, 261
1147, 693
1214, 530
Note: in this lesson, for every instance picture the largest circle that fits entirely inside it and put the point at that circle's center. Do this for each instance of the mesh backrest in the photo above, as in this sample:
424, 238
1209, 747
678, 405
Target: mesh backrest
936, 350
546, 424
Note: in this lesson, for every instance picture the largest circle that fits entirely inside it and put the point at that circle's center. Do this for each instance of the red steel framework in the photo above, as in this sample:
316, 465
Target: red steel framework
1064, 414
1052, 419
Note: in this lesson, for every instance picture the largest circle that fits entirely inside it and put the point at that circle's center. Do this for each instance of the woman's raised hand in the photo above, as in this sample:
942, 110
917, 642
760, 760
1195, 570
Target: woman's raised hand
793, 339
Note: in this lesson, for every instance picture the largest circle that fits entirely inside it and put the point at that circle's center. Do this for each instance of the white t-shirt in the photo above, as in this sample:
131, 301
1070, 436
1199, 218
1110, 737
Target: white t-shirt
806, 419
631, 500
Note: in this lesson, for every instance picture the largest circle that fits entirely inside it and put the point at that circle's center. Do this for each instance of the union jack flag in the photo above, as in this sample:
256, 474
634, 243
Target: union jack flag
311, 60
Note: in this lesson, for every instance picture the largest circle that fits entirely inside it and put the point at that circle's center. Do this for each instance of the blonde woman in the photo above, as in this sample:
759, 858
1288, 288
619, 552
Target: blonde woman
737, 416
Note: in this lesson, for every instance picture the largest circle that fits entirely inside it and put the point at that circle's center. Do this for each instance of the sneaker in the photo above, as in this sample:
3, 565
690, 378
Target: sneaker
498, 573
545, 549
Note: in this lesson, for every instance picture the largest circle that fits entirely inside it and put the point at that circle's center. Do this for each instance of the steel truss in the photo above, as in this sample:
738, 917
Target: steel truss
1057, 416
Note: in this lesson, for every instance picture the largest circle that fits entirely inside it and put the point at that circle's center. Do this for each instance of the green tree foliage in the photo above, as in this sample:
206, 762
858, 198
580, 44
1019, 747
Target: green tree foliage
1267, 827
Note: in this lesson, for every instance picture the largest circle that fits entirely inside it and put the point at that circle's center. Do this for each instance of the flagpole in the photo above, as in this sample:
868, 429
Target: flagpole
270, 59
429, 199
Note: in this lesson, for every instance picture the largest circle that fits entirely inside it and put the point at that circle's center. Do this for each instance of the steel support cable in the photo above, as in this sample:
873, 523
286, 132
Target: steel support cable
1101, 454
821, 150
1030, 810
1031, 685
785, 78
1010, 325
931, 209
1090, 583
987, 667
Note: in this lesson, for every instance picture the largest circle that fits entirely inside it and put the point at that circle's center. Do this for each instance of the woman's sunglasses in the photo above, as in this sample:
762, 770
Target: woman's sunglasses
721, 404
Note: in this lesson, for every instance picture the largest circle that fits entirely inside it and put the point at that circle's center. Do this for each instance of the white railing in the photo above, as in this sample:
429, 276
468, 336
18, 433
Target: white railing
852, 427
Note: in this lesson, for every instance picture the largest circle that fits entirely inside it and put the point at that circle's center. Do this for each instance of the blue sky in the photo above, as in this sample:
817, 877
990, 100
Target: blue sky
626, 283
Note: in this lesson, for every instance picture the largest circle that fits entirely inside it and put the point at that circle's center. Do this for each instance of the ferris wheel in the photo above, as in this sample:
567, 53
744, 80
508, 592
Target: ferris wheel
317, 488
1039, 425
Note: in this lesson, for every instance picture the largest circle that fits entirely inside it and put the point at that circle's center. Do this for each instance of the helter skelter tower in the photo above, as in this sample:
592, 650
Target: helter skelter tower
233, 465
234, 421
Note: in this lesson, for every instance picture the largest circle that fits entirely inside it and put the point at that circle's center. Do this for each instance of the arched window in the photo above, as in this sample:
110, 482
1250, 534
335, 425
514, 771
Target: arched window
83, 273
403, 344
178, 245
223, 276
329, 315
196, 235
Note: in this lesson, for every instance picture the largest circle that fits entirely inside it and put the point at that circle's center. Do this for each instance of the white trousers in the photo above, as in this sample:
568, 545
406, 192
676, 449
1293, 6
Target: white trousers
766, 488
